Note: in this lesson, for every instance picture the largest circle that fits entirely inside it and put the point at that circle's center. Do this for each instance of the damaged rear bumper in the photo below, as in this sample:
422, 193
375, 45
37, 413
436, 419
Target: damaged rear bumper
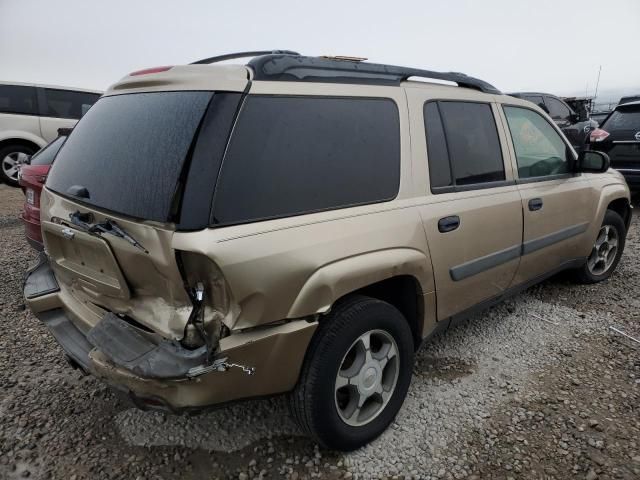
155, 372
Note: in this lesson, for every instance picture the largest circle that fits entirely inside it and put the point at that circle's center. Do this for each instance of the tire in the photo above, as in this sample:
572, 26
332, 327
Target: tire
602, 260
321, 410
9, 156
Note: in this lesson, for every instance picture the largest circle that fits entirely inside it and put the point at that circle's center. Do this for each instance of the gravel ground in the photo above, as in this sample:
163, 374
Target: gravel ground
535, 388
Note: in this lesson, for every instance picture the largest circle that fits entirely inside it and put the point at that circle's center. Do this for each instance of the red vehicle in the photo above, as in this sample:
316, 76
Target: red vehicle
32, 177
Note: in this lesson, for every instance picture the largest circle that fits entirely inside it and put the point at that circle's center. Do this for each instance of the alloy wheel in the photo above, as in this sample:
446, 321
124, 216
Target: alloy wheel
367, 377
604, 250
11, 164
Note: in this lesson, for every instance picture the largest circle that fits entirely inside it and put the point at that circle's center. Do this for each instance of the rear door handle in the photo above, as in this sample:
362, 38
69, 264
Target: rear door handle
535, 204
448, 224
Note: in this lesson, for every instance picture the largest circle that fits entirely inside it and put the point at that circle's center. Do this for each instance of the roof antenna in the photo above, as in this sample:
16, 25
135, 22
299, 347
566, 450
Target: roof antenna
597, 83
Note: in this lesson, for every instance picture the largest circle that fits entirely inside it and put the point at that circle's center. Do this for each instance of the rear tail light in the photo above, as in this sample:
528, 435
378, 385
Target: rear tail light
598, 135
147, 71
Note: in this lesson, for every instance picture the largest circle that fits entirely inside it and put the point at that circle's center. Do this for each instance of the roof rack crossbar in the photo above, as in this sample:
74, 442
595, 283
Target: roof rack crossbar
233, 56
293, 67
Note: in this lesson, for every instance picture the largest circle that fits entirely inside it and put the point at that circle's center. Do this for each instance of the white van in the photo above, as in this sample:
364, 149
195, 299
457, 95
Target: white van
30, 116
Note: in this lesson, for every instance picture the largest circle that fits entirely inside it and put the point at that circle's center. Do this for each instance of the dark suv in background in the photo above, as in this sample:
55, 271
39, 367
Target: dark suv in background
576, 126
619, 137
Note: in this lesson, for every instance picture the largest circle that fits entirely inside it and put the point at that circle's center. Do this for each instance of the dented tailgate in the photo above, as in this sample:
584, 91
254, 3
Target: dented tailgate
105, 273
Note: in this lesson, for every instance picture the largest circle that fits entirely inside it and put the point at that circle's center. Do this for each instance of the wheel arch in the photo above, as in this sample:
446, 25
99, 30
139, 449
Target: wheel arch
397, 276
34, 142
623, 208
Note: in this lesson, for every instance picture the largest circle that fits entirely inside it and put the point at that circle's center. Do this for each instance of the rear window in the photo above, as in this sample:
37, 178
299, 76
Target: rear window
18, 99
48, 153
68, 104
128, 152
294, 155
623, 119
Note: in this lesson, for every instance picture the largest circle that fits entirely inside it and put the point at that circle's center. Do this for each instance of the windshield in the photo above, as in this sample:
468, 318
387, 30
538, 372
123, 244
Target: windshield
128, 151
48, 153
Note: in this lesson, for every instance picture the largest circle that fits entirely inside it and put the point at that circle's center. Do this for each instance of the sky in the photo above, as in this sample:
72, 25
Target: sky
540, 45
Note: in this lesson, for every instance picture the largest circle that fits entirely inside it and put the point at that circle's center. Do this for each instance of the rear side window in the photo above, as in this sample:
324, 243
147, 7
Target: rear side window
68, 104
294, 155
468, 133
48, 153
18, 99
623, 119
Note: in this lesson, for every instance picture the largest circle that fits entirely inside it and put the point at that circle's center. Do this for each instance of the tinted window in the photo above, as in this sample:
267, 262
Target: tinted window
557, 109
472, 141
17, 99
540, 150
537, 99
290, 155
68, 104
627, 119
439, 168
48, 153
128, 151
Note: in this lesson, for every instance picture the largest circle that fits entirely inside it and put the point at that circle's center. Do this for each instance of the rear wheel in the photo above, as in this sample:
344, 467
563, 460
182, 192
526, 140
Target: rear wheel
356, 374
11, 157
606, 251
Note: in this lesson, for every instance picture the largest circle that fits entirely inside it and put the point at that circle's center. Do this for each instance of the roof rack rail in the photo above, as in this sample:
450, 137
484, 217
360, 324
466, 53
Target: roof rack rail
232, 56
288, 66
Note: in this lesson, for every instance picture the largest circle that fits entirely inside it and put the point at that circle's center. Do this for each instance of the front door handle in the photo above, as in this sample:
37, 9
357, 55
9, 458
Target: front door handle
448, 224
535, 204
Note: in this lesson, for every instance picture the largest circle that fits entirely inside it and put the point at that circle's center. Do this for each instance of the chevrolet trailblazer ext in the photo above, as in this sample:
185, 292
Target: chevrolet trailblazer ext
307, 223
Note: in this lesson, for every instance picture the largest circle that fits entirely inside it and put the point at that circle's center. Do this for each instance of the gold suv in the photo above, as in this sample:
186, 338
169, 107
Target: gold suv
300, 225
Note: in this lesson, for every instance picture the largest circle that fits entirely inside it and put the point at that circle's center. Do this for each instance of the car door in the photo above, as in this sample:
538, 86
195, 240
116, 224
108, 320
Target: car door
557, 204
470, 206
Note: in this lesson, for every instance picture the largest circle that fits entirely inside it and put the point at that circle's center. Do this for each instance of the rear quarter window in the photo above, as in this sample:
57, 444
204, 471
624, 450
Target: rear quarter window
295, 155
623, 120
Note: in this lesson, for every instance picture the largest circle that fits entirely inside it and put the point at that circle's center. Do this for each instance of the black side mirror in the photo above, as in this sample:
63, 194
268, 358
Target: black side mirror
593, 161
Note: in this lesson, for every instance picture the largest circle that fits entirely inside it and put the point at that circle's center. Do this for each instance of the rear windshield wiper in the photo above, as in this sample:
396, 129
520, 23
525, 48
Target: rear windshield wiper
108, 226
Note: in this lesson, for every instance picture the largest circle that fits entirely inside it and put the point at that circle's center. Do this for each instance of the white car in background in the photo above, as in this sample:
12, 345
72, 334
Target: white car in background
30, 116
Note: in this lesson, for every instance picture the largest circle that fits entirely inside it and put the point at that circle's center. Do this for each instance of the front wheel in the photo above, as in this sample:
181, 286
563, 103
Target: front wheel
356, 374
606, 251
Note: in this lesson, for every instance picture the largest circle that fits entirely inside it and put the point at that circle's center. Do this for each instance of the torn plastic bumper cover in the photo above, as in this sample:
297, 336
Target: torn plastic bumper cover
160, 373
126, 346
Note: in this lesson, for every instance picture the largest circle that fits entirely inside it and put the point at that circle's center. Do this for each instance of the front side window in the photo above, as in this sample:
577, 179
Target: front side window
18, 99
540, 151
462, 144
68, 104
292, 155
557, 109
